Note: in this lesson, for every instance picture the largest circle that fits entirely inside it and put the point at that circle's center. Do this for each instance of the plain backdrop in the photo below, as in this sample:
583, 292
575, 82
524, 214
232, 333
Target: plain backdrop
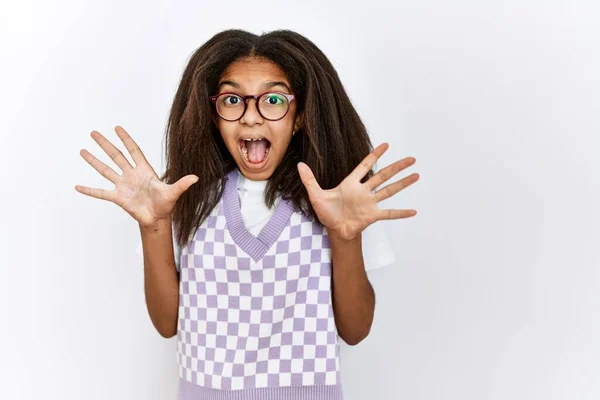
495, 290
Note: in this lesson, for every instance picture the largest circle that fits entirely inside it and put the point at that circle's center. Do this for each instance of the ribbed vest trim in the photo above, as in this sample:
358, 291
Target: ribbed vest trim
190, 391
255, 247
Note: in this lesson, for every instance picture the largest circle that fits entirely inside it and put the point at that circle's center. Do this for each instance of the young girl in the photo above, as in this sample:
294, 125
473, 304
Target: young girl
267, 190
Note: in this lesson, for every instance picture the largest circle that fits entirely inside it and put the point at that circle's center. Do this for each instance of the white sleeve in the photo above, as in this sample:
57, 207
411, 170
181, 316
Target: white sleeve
377, 251
176, 250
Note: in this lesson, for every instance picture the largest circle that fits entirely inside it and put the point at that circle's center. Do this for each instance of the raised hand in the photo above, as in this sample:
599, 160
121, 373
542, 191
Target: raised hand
349, 208
138, 190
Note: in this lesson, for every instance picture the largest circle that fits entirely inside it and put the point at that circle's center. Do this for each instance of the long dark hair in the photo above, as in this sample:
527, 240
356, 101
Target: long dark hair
332, 140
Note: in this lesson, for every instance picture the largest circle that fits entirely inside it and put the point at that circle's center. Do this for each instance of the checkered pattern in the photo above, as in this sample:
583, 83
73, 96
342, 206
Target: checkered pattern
246, 323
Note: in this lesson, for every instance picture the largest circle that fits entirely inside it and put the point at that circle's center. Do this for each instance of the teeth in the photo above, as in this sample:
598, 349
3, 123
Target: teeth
253, 139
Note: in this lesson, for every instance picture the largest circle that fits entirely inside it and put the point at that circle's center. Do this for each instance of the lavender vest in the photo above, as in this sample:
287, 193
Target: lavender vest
255, 313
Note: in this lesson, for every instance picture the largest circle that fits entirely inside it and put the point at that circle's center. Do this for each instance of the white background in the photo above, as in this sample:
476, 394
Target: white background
495, 289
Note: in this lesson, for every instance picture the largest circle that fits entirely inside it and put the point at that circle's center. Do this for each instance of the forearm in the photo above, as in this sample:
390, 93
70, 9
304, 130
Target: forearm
161, 285
353, 295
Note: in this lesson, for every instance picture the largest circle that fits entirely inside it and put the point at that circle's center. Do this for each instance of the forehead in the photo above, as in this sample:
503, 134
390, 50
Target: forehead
253, 72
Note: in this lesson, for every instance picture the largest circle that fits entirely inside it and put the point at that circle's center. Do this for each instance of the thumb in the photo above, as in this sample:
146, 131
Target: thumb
184, 184
308, 179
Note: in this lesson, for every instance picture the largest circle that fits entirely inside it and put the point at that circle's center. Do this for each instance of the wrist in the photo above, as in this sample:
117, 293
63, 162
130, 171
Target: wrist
337, 238
158, 226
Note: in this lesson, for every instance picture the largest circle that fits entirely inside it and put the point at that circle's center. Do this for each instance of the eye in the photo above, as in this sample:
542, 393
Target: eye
231, 100
275, 99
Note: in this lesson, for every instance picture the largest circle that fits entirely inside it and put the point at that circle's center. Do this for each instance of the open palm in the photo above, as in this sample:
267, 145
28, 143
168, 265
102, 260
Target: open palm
352, 206
139, 191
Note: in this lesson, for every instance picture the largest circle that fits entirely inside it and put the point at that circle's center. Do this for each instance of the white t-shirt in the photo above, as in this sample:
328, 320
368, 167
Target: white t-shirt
255, 214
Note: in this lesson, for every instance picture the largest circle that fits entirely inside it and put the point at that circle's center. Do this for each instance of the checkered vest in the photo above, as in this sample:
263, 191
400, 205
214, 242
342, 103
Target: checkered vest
255, 313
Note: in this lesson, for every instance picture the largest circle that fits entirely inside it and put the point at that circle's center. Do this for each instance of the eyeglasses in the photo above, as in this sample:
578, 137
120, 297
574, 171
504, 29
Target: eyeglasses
270, 105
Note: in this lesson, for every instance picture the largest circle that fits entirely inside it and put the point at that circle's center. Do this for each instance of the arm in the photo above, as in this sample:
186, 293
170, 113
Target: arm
353, 295
161, 284
150, 201
346, 211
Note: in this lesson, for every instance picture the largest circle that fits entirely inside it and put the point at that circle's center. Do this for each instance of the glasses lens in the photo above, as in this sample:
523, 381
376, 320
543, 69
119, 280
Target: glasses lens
230, 106
273, 105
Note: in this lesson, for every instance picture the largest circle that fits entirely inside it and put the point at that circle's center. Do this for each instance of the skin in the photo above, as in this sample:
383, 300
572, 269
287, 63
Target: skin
139, 191
345, 210
255, 76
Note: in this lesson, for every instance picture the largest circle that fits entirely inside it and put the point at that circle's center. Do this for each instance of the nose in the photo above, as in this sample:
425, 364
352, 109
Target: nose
251, 116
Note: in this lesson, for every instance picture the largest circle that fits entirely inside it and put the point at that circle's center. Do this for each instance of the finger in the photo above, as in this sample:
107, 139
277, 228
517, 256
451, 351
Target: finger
367, 163
395, 214
131, 146
96, 193
99, 166
386, 173
183, 184
308, 179
114, 153
393, 188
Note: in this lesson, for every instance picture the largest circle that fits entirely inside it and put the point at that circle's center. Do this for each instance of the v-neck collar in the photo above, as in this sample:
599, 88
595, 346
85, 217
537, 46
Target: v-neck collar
255, 246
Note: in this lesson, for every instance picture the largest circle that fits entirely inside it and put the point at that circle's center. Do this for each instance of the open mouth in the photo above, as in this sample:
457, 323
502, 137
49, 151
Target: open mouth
254, 150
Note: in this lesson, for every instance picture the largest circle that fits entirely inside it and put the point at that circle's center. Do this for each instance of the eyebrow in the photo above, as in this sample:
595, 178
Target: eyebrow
267, 85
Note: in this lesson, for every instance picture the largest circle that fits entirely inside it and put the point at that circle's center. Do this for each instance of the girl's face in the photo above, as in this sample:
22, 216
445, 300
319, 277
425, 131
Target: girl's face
256, 159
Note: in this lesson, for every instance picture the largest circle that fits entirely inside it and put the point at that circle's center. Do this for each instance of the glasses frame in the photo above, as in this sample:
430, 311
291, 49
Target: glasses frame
289, 97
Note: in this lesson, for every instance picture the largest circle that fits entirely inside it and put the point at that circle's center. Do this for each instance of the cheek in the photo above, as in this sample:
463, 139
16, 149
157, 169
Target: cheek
227, 131
283, 128
281, 135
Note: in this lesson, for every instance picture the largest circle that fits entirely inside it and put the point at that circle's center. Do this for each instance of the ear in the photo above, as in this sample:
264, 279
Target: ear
298, 122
